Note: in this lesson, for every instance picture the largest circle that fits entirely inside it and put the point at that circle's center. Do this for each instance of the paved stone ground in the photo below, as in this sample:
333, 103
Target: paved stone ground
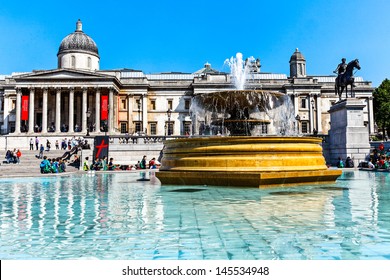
29, 164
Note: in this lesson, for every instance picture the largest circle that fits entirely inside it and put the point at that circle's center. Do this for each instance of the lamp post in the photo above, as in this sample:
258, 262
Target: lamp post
298, 118
169, 113
312, 113
88, 116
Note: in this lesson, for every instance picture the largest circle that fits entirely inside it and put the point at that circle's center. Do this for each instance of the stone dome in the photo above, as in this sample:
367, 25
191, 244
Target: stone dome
78, 41
297, 56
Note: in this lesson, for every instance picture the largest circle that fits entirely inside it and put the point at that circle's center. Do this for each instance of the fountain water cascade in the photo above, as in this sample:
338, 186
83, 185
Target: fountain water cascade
244, 137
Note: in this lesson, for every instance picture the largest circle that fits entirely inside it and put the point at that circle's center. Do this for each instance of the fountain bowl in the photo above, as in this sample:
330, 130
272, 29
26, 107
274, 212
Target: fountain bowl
245, 161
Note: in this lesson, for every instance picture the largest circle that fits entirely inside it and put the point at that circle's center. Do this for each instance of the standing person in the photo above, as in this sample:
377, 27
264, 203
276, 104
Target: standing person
41, 149
142, 164
86, 164
57, 145
18, 155
48, 145
37, 142
31, 144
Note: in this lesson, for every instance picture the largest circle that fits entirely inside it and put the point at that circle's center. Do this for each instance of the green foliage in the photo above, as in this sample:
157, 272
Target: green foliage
382, 105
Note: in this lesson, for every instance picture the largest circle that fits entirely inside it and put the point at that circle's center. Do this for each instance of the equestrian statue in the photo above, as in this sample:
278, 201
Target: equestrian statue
345, 77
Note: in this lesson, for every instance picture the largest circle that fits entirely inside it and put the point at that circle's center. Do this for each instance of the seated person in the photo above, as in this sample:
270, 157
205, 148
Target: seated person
111, 165
45, 165
349, 162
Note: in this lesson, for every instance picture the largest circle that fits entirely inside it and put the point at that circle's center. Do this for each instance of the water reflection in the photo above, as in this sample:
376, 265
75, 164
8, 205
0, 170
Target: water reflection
115, 216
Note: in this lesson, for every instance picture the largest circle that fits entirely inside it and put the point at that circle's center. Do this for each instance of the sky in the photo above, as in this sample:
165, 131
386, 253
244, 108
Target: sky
181, 36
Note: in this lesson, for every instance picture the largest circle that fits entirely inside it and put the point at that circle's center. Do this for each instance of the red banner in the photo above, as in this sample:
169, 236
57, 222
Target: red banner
104, 108
24, 107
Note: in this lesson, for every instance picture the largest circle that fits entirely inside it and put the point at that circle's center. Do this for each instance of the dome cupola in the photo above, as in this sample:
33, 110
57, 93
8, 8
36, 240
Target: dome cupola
297, 65
78, 51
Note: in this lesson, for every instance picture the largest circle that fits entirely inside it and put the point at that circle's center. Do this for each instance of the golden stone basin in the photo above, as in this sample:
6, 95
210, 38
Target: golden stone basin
245, 161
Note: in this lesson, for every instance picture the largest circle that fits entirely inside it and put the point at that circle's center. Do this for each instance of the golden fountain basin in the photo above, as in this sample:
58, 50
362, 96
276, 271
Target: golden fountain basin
245, 161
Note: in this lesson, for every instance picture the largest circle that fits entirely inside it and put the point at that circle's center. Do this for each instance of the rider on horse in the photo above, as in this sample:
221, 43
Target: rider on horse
341, 68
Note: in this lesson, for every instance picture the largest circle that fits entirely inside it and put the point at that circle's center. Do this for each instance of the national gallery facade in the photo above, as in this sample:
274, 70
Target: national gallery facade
79, 98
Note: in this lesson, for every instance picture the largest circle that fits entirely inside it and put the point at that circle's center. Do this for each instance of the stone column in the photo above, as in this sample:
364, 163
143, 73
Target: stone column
84, 111
44, 110
31, 111
58, 110
296, 104
371, 123
319, 114
145, 113
111, 110
71, 110
18, 109
97, 110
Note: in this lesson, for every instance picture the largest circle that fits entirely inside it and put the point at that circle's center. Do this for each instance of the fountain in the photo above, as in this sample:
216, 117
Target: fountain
244, 137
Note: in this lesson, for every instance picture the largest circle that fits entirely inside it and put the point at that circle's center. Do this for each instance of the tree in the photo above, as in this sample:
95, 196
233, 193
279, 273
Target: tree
382, 107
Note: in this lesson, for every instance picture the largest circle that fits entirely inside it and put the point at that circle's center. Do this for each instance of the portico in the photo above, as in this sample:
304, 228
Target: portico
64, 107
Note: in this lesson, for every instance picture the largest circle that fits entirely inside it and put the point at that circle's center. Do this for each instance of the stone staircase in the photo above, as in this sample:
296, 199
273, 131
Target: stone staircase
29, 163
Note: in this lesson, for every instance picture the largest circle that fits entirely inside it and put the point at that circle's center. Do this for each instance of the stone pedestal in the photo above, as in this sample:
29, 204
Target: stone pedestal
348, 136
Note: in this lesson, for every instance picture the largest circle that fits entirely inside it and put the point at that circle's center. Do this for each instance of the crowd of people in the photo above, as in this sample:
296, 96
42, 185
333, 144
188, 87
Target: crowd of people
103, 164
13, 156
379, 159
54, 165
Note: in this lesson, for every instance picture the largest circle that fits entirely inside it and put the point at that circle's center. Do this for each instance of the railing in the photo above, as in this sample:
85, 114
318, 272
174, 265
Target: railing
146, 139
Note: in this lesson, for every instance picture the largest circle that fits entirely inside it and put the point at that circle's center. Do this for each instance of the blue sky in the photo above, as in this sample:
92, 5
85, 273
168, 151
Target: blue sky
181, 36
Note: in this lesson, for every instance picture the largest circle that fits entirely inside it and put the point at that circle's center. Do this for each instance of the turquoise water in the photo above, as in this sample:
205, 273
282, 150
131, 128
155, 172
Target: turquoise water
114, 216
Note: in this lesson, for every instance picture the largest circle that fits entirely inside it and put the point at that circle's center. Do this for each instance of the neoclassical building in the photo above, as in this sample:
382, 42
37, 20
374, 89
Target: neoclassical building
79, 98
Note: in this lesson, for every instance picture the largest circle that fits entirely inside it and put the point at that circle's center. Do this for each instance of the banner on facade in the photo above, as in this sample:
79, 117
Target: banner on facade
104, 108
24, 107
101, 147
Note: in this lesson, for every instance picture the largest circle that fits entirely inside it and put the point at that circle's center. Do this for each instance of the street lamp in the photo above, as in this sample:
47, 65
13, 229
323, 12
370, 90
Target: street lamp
88, 116
312, 113
298, 118
169, 114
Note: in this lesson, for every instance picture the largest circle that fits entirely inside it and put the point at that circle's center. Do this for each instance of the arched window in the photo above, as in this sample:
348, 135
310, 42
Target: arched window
73, 61
89, 62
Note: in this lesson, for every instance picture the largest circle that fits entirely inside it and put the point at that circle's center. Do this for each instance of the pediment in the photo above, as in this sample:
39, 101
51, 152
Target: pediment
62, 74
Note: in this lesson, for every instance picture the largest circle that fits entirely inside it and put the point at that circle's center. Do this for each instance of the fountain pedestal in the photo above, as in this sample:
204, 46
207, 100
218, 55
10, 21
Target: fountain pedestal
245, 162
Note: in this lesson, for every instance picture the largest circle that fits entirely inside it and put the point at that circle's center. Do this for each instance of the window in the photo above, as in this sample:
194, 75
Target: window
13, 105
123, 127
89, 62
138, 127
304, 127
73, 61
170, 104
264, 128
123, 104
152, 104
138, 104
303, 103
169, 126
187, 128
187, 104
153, 128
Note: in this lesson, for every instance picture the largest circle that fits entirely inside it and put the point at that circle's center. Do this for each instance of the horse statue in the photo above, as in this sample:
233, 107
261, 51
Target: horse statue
347, 78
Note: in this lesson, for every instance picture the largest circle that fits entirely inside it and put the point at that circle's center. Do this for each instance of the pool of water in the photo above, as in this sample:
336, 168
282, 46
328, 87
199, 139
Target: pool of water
115, 216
